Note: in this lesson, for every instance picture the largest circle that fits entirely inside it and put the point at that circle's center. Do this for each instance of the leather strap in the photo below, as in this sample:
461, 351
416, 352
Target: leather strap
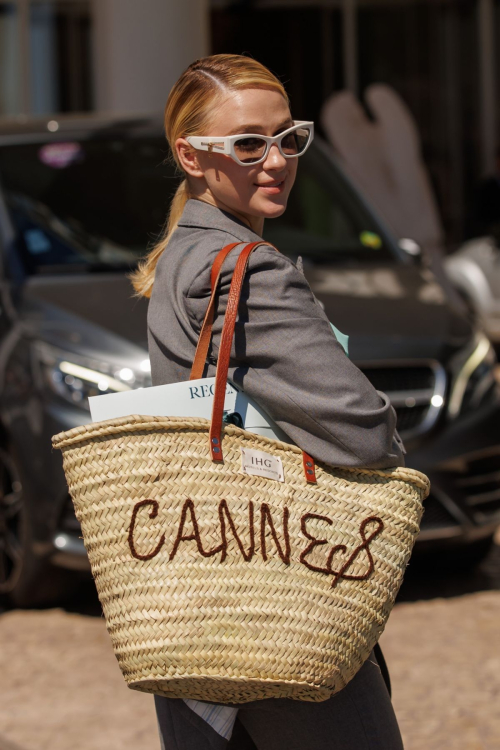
309, 468
201, 353
225, 350
225, 353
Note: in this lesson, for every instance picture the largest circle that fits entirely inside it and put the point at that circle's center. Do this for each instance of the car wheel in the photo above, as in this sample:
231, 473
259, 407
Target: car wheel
12, 526
26, 580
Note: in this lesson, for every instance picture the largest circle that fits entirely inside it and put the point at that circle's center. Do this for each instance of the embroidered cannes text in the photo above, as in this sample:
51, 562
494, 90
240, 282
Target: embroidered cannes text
280, 537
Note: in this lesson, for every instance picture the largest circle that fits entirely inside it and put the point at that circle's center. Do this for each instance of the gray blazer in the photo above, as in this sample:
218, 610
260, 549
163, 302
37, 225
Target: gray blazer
285, 354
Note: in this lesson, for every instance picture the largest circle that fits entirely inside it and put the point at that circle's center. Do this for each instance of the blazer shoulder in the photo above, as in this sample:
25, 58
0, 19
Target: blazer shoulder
203, 246
265, 256
190, 252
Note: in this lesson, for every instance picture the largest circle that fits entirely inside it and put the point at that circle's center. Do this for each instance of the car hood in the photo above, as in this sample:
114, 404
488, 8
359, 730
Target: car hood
104, 300
93, 315
393, 312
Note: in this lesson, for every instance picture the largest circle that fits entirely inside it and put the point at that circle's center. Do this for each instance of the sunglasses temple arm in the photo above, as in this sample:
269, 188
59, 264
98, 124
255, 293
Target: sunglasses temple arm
211, 145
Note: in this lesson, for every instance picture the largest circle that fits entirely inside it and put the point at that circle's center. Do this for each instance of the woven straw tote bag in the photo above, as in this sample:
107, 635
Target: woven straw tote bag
222, 586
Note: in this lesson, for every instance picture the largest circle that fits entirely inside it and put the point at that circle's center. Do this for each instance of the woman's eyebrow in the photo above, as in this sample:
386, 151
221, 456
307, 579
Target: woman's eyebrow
245, 129
284, 126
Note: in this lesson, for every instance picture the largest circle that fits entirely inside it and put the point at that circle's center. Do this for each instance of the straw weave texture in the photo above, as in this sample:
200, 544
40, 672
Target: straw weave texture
194, 613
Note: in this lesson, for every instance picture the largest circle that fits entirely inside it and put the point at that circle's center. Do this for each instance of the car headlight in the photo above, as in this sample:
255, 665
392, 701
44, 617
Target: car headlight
75, 378
474, 378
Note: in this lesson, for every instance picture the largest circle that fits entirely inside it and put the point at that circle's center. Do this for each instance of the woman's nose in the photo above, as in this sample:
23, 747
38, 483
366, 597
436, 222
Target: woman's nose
274, 159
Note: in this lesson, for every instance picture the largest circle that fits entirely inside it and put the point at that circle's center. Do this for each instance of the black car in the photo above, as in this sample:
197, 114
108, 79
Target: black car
81, 198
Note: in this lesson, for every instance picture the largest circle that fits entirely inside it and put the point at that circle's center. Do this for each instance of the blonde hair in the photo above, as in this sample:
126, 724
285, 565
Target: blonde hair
188, 111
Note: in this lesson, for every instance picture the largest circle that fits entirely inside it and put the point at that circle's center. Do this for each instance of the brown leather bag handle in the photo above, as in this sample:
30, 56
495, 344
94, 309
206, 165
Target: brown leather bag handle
200, 356
225, 352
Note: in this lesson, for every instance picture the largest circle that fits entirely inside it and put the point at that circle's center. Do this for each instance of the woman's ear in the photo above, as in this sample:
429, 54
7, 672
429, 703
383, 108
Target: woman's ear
188, 158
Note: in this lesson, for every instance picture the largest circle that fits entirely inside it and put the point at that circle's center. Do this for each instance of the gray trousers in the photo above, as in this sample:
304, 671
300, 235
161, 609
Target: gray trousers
359, 717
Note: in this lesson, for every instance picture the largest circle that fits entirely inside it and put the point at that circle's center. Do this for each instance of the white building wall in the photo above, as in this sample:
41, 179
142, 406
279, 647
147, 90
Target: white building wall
141, 48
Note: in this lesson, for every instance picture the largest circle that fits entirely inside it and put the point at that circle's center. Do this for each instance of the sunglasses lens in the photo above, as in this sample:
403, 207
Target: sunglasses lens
295, 143
249, 150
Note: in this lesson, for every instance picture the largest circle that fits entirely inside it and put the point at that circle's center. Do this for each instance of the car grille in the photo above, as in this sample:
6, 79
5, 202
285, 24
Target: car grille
412, 389
478, 484
410, 418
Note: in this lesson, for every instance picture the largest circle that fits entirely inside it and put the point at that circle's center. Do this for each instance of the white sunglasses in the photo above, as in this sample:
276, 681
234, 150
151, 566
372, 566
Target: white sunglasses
250, 148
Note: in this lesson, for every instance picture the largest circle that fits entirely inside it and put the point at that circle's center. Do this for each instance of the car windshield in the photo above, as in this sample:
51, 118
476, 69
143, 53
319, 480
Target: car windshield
100, 203
88, 204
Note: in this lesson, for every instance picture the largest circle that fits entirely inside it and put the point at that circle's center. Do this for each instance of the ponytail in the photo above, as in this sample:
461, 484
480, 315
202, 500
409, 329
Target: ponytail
179, 200
143, 277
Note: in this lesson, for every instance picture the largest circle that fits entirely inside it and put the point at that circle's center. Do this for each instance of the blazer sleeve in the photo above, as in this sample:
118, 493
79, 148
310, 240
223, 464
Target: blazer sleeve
286, 357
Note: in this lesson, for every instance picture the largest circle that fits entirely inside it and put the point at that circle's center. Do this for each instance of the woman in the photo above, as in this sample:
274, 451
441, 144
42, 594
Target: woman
285, 356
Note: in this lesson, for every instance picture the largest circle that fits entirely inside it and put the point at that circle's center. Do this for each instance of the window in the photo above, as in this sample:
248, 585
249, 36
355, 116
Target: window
60, 39
83, 205
10, 63
45, 56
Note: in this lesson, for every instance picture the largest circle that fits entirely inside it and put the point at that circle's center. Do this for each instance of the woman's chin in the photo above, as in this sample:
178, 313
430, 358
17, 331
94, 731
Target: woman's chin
272, 209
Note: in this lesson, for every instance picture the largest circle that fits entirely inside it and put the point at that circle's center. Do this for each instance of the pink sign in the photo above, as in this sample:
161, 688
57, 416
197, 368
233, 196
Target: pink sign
59, 155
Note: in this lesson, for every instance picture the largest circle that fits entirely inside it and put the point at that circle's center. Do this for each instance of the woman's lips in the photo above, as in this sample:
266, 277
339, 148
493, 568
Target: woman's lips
272, 188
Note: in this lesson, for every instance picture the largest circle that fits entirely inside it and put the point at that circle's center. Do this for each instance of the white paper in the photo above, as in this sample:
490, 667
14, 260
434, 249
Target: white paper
191, 398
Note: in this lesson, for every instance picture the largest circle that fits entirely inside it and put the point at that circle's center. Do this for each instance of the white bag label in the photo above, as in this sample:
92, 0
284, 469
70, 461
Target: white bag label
260, 464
